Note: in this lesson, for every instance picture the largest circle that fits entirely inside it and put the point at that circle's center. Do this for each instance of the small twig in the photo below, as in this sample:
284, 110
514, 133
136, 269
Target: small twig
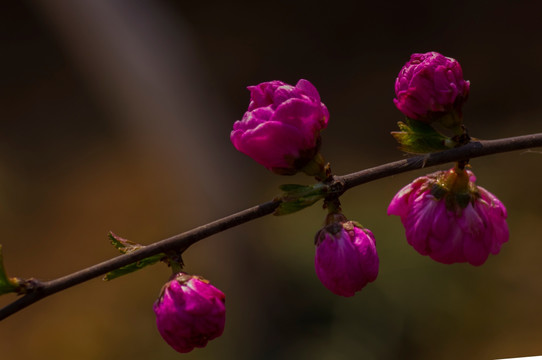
182, 241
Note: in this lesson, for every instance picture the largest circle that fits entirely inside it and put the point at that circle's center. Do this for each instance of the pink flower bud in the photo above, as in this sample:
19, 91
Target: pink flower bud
346, 258
189, 312
450, 219
429, 86
281, 129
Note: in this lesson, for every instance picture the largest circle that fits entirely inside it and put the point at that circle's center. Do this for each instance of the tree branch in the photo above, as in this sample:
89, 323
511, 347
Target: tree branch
472, 150
38, 290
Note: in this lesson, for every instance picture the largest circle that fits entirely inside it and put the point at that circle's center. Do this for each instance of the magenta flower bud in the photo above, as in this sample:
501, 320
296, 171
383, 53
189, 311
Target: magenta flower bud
189, 312
346, 258
430, 86
281, 129
450, 219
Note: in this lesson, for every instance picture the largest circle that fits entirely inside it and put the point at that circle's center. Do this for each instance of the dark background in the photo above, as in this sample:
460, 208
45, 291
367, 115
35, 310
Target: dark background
116, 116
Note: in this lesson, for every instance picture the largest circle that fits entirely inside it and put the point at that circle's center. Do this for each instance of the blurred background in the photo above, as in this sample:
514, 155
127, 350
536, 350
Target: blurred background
115, 115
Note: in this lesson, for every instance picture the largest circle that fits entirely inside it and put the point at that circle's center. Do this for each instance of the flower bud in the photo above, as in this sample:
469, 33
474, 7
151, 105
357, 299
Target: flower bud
346, 259
281, 129
431, 86
189, 312
450, 219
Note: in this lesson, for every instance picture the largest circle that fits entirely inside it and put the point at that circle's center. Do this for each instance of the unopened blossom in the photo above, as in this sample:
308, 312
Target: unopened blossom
346, 259
281, 128
189, 312
431, 86
450, 219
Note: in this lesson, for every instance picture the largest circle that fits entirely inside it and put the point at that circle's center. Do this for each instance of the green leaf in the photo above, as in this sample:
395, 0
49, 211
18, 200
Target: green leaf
7, 285
123, 245
126, 246
420, 138
133, 267
297, 197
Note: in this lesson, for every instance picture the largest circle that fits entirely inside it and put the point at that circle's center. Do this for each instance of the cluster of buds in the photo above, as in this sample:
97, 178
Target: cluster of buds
281, 130
445, 214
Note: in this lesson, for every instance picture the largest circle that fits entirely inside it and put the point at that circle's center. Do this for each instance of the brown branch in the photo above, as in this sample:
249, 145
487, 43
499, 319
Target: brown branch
38, 290
472, 150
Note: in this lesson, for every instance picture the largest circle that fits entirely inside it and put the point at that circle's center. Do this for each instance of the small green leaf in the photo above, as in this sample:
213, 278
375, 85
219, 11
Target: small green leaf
7, 285
297, 197
123, 245
126, 246
420, 138
133, 267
